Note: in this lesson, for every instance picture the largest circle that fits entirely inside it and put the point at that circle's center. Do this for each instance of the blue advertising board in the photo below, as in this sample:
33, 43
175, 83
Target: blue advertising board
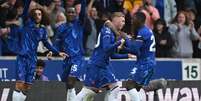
168, 69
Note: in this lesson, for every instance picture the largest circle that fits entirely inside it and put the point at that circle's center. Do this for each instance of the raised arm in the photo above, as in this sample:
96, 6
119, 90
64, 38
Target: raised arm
89, 7
82, 14
25, 13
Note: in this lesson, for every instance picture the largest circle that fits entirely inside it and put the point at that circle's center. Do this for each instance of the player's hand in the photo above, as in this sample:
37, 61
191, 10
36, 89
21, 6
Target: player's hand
131, 56
63, 55
124, 35
121, 45
49, 55
122, 41
4, 31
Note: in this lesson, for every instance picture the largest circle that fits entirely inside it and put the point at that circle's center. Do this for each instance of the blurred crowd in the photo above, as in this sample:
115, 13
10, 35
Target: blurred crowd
176, 23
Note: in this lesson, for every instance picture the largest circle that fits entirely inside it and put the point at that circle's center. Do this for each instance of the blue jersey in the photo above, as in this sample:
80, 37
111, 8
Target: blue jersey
69, 36
70, 39
14, 41
28, 36
105, 48
24, 42
143, 46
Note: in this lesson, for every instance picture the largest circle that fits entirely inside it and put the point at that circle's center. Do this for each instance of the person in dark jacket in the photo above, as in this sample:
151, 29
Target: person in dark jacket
164, 41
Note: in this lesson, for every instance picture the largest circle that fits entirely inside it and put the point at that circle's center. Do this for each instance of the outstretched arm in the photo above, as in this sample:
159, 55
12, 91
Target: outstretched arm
26, 9
47, 44
133, 46
82, 14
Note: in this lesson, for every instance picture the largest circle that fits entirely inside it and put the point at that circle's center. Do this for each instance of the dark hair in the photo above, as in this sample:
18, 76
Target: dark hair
140, 16
162, 22
44, 2
40, 63
45, 17
18, 3
138, 20
76, 2
12, 14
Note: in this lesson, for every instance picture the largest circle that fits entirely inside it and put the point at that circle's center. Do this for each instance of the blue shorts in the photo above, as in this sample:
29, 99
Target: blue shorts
73, 69
98, 76
25, 69
141, 73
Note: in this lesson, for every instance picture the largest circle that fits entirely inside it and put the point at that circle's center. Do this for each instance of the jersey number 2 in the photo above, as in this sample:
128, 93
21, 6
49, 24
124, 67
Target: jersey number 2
152, 47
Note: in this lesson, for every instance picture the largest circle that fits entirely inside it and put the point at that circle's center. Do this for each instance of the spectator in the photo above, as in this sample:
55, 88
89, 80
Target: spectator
183, 34
191, 15
150, 11
91, 35
57, 9
197, 46
69, 3
39, 73
167, 9
164, 41
103, 5
132, 5
4, 8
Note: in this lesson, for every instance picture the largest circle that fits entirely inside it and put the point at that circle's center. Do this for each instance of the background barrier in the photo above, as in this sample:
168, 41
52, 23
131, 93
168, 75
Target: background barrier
176, 69
55, 91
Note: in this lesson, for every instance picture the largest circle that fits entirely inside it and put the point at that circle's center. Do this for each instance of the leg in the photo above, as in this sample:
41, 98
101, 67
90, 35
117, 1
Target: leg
155, 85
18, 94
89, 91
70, 84
86, 94
112, 92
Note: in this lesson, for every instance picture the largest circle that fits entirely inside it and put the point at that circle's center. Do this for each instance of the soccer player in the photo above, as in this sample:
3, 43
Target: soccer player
69, 38
98, 73
24, 42
143, 46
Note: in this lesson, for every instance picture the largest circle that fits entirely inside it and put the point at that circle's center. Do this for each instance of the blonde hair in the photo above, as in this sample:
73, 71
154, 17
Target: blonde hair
117, 14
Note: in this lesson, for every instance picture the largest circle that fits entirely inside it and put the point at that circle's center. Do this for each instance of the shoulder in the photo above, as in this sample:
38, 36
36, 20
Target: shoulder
106, 30
145, 32
61, 27
45, 78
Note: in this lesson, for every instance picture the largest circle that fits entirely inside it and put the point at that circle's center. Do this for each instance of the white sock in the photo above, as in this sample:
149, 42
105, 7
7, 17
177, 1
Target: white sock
107, 95
134, 95
18, 96
85, 95
71, 94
